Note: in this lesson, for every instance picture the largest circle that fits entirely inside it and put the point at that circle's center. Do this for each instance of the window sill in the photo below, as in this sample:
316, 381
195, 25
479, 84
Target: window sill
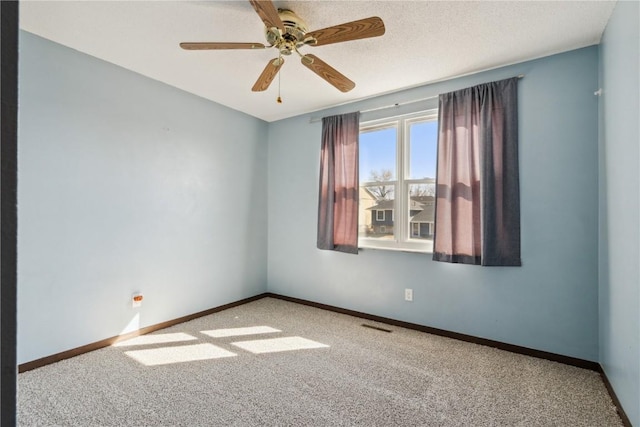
395, 249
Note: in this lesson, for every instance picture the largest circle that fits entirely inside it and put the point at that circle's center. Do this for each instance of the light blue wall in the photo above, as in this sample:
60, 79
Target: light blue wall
127, 184
619, 209
550, 303
123, 187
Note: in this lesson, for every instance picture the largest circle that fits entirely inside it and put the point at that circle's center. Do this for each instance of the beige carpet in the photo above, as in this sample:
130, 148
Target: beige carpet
272, 362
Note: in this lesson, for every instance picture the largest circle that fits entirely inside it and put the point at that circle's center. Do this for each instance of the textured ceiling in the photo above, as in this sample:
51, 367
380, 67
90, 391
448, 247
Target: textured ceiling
425, 41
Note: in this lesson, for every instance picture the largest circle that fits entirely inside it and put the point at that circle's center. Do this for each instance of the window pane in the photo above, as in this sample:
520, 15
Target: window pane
377, 215
421, 211
401, 172
378, 155
422, 150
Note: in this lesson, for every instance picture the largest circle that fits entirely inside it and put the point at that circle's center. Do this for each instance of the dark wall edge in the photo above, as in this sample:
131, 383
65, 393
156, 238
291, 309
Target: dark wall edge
8, 209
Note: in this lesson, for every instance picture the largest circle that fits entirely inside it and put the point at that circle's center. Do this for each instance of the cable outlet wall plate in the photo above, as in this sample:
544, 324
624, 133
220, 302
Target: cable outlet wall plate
136, 300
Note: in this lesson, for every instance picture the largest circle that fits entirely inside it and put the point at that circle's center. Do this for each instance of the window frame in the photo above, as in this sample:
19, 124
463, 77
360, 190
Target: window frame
383, 215
402, 237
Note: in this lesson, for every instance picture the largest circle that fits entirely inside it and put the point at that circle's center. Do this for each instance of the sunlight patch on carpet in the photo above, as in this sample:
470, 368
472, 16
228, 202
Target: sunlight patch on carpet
236, 332
179, 354
274, 345
156, 339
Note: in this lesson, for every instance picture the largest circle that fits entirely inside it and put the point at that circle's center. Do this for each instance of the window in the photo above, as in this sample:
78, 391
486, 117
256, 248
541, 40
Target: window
397, 182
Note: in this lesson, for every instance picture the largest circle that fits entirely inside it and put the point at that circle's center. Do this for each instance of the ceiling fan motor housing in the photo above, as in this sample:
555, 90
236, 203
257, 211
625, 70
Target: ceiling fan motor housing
294, 31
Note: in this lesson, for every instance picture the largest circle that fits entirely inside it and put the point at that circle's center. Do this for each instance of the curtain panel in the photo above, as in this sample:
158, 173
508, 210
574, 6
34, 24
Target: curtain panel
338, 194
477, 177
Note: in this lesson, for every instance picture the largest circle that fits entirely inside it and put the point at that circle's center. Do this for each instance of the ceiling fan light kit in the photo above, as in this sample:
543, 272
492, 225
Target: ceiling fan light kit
287, 32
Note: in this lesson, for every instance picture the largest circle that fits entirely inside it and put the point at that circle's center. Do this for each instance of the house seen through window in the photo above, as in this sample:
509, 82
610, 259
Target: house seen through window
397, 182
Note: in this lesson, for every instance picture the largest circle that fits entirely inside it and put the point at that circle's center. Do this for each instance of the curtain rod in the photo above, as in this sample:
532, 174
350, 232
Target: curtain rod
397, 104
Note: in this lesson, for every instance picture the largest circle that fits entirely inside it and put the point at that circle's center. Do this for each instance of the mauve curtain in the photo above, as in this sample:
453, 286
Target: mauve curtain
338, 195
477, 192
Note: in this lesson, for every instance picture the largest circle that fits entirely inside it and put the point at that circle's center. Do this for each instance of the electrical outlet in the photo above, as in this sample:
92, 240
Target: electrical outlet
408, 294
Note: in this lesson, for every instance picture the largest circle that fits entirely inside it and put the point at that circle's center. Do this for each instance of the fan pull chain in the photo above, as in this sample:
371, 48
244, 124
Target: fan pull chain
279, 100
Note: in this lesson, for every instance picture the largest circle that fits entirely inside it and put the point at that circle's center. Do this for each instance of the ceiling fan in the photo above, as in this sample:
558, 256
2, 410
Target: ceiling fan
287, 32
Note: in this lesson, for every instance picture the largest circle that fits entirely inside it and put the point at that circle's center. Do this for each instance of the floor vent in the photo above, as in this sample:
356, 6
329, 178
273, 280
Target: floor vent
377, 328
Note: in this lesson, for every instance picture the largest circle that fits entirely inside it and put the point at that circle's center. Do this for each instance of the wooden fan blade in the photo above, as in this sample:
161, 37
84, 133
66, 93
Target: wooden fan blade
327, 72
267, 75
215, 46
362, 29
268, 13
